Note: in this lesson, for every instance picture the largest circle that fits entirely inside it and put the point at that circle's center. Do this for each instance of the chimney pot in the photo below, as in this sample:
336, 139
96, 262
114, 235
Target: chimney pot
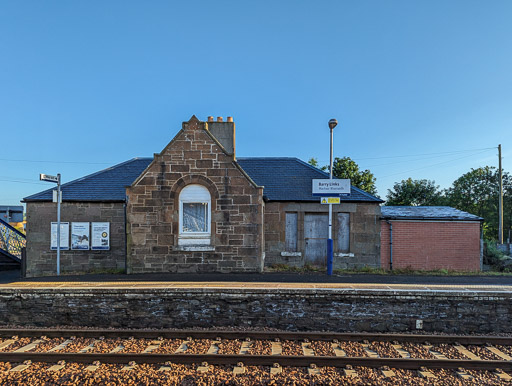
219, 119
210, 119
230, 119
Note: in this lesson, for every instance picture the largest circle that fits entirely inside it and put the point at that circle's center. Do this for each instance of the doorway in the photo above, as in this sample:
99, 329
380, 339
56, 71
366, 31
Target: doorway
315, 235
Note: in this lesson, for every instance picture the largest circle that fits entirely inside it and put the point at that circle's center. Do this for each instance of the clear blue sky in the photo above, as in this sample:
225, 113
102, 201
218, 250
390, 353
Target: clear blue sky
99, 82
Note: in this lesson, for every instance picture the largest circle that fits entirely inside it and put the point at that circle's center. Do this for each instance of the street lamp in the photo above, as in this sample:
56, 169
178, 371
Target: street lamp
330, 246
55, 179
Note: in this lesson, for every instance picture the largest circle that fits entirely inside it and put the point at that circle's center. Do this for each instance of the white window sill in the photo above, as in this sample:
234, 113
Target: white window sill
291, 254
194, 248
194, 240
344, 254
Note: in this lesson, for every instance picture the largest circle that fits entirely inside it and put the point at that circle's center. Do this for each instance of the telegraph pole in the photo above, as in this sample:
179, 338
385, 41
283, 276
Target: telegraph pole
500, 207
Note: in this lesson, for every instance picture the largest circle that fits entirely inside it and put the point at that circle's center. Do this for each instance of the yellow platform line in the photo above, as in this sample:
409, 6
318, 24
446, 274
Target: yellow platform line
245, 285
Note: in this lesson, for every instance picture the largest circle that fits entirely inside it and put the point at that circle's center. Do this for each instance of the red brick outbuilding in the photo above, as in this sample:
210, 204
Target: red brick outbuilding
430, 238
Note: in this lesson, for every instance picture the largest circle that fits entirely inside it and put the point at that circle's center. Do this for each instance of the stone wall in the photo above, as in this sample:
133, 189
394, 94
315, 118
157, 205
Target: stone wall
304, 309
194, 156
41, 261
364, 249
431, 245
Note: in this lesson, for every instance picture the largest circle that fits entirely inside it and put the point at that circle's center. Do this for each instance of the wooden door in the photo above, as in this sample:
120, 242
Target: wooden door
315, 234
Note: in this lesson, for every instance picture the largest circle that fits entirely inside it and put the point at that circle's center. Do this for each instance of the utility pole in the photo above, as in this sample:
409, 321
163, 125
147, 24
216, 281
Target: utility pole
500, 205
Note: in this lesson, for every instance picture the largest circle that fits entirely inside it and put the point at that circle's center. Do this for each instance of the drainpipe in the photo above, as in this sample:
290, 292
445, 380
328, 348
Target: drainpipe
390, 245
125, 238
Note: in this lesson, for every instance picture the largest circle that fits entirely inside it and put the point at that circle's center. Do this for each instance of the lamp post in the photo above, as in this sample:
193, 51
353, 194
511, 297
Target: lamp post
330, 246
55, 179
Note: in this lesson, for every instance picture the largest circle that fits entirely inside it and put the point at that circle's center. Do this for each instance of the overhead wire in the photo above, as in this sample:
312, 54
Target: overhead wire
55, 162
436, 164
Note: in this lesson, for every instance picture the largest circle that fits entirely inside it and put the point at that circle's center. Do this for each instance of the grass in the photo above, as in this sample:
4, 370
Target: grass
379, 271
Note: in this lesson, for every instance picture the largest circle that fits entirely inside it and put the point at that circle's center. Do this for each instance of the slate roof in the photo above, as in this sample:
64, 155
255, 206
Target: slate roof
289, 179
284, 179
106, 185
440, 213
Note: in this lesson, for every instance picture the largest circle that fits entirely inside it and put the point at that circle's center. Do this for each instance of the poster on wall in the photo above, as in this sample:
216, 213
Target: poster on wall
100, 236
64, 236
80, 235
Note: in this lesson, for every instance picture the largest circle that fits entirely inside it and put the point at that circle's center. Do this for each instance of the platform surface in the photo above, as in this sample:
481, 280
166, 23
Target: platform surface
274, 280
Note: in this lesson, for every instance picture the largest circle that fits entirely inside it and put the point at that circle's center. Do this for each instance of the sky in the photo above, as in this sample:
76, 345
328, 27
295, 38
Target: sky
421, 89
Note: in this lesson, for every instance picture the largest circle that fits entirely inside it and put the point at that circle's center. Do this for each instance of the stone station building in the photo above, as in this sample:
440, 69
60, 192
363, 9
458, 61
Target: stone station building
196, 207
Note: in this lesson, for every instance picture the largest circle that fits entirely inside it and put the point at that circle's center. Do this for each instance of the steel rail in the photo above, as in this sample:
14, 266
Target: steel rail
256, 360
262, 335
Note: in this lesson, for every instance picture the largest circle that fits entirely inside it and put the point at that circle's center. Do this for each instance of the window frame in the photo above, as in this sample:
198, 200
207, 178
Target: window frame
183, 199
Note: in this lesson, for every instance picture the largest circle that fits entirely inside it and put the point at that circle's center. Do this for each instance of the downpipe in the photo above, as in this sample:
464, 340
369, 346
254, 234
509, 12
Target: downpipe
390, 245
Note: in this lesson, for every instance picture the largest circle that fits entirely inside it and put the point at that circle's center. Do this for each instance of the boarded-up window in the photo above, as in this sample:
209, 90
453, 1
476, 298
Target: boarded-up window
344, 232
291, 232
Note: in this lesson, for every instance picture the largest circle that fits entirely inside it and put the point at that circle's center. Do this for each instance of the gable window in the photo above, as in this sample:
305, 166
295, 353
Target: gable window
195, 215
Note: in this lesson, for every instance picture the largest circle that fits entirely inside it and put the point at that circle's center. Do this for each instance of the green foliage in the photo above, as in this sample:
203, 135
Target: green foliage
313, 162
493, 256
414, 193
477, 192
347, 168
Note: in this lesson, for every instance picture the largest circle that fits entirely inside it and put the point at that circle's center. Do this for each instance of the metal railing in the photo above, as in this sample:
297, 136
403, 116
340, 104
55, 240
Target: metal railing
12, 241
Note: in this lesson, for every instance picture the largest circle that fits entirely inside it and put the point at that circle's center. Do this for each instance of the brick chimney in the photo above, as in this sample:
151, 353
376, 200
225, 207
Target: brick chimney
224, 132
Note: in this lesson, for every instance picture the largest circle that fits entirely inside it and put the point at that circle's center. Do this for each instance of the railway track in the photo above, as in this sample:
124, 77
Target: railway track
239, 350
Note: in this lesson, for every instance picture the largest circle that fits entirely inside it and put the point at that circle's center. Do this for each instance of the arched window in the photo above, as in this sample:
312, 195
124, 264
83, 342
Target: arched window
195, 215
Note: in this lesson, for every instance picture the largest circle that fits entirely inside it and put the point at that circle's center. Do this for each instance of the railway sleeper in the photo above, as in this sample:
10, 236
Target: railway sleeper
61, 346
239, 369
276, 369
464, 351
94, 366
423, 372
387, 372
499, 353
463, 374
29, 346
502, 375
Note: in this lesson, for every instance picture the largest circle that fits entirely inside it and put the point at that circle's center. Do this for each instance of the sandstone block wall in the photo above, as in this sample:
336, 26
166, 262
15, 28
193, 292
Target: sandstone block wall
364, 236
288, 309
425, 245
41, 261
194, 157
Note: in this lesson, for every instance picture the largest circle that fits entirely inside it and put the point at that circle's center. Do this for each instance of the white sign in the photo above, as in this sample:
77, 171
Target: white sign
55, 194
327, 187
64, 236
80, 235
49, 178
330, 200
100, 236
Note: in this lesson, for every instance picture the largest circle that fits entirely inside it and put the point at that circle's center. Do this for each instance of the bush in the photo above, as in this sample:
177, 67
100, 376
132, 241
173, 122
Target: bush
493, 256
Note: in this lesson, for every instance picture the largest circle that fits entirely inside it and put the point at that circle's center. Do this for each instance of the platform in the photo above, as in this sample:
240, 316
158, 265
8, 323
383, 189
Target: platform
249, 285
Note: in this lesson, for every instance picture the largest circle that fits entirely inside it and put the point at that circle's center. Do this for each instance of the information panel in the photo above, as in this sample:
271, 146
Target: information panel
64, 236
100, 236
80, 235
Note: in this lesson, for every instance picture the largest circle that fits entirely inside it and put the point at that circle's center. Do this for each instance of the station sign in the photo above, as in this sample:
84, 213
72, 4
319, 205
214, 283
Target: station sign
328, 187
330, 200
49, 178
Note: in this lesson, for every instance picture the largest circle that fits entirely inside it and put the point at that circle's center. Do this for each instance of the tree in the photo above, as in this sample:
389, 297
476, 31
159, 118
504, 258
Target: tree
313, 162
477, 192
415, 193
347, 168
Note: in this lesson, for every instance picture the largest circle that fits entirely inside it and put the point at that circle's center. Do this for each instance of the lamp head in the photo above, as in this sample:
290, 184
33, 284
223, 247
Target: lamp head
332, 123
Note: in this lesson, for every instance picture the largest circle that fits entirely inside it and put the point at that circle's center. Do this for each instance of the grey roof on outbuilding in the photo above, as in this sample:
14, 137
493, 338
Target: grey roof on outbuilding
284, 179
433, 213
289, 179
106, 185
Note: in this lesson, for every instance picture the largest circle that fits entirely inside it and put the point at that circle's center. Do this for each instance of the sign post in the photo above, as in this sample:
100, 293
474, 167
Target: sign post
55, 179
